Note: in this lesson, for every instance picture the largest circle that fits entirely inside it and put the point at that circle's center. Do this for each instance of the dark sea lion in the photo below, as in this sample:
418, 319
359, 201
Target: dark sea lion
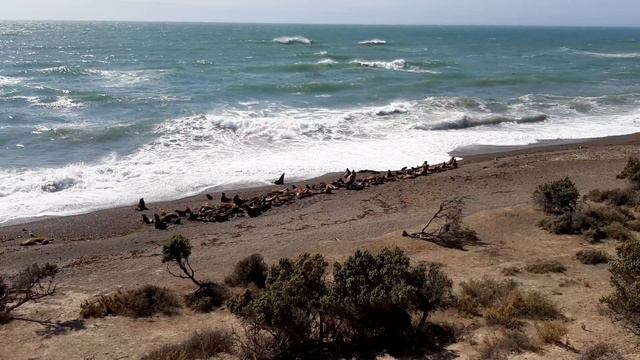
224, 198
347, 173
252, 211
141, 205
183, 213
146, 220
158, 224
209, 197
280, 181
238, 201
169, 218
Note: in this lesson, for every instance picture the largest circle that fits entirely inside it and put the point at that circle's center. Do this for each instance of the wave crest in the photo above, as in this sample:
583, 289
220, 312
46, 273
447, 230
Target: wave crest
289, 40
467, 121
373, 42
601, 55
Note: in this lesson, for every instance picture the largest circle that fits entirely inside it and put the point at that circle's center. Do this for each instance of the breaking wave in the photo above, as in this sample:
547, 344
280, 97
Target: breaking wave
372, 42
467, 121
289, 40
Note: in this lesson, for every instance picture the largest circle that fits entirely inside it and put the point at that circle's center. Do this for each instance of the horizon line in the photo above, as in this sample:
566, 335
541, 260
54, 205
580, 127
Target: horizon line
316, 23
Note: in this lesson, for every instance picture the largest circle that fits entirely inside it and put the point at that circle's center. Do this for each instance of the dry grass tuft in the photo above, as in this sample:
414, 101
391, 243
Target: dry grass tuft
143, 302
551, 332
546, 266
504, 343
201, 345
592, 257
601, 351
511, 271
503, 303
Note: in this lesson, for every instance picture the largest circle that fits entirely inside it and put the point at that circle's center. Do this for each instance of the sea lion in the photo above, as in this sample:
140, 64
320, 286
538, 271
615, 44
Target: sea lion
252, 211
36, 241
351, 178
141, 205
224, 199
238, 201
453, 163
146, 220
347, 174
183, 213
158, 224
280, 181
209, 197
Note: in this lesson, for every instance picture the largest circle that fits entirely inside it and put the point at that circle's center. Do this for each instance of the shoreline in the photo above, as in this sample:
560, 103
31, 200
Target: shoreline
469, 154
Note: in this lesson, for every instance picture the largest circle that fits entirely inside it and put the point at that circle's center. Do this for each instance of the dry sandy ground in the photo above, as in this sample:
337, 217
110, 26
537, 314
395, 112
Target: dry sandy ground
106, 250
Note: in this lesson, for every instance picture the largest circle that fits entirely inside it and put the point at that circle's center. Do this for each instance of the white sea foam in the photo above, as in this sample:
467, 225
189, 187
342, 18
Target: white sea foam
119, 78
398, 64
373, 42
9, 81
601, 54
292, 40
327, 62
254, 144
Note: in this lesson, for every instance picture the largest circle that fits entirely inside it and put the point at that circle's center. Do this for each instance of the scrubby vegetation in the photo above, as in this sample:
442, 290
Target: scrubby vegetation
250, 270
201, 345
503, 303
546, 266
374, 302
445, 227
615, 197
557, 197
500, 345
551, 332
601, 351
30, 285
143, 302
625, 279
510, 271
631, 172
208, 295
592, 257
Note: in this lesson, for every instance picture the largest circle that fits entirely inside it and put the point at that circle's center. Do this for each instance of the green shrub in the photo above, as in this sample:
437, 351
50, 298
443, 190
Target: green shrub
477, 295
250, 270
625, 279
547, 266
369, 306
201, 345
592, 257
557, 197
601, 351
631, 171
207, 297
596, 222
143, 302
615, 197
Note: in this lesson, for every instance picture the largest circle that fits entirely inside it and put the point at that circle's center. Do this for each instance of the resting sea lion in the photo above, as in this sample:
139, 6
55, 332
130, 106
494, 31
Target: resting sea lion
158, 224
238, 201
209, 197
146, 220
224, 198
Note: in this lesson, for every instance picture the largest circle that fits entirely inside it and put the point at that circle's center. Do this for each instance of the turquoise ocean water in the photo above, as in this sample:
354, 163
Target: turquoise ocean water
94, 115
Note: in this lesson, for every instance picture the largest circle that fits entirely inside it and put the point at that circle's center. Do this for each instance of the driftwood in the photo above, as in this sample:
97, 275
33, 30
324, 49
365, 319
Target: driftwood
445, 227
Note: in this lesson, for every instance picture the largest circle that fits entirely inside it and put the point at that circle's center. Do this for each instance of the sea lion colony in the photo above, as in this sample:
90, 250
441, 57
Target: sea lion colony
230, 208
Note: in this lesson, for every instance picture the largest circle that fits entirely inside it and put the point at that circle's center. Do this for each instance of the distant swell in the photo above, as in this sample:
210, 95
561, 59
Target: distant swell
373, 42
292, 40
602, 55
468, 122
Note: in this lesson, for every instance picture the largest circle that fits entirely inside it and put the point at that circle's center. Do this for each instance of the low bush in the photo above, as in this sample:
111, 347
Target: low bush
369, 306
33, 283
143, 302
615, 197
551, 332
557, 197
510, 271
503, 303
631, 171
250, 270
625, 279
207, 298
618, 231
501, 345
546, 266
601, 351
592, 257
201, 345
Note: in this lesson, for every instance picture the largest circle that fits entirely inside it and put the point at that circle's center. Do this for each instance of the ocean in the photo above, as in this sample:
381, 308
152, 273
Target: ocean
97, 115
